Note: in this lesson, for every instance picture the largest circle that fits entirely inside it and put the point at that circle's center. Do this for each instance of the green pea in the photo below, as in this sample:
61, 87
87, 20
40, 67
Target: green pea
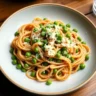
68, 25
44, 18
35, 40
41, 25
43, 72
27, 40
34, 60
58, 55
36, 50
75, 30
23, 70
14, 61
28, 54
45, 64
44, 29
26, 65
33, 73
83, 42
67, 55
59, 52
65, 29
72, 59
16, 33
43, 33
79, 38
35, 30
64, 49
54, 71
19, 66
64, 53
43, 47
58, 34
77, 50
59, 37
68, 36
62, 25
11, 50
45, 41
82, 66
56, 23
49, 82
87, 57
48, 26
13, 57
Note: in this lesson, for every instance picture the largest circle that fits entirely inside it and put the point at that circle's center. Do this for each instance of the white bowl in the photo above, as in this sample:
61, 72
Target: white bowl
53, 12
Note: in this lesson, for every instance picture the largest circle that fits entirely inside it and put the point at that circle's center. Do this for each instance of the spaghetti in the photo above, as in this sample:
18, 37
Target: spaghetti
48, 49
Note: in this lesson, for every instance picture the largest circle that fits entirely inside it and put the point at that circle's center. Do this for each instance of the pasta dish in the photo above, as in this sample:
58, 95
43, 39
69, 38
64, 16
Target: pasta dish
48, 50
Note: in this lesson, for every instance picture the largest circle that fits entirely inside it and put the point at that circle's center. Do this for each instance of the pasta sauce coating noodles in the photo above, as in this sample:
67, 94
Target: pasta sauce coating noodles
46, 49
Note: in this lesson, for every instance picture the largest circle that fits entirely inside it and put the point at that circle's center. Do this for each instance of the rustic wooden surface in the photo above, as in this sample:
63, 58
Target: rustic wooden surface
7, 7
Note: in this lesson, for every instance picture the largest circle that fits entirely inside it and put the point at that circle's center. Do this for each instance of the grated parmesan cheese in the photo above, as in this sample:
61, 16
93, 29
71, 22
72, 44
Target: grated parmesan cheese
57, 28
50, 50
35, 36
52, 36
66, 43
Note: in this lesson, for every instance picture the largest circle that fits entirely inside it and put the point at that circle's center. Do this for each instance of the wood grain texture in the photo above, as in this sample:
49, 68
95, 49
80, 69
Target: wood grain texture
1, 23
86, 9
7, 7
88, 90
92, 18
83, 6
79, 3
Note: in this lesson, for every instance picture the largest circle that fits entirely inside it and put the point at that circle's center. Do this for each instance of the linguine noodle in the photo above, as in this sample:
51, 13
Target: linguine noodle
55, 50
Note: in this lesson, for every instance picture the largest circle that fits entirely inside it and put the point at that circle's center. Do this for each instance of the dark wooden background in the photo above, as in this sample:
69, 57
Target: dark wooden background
7, 7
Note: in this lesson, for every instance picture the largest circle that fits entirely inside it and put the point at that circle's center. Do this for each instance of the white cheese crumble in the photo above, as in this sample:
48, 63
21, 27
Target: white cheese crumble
50, 50
52, 36
47, 47
63, 40
67, 40
66, 43
57, 27
49, 29
35, 36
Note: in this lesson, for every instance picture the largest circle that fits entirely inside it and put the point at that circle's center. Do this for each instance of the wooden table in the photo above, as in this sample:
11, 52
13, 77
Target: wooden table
7, 7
